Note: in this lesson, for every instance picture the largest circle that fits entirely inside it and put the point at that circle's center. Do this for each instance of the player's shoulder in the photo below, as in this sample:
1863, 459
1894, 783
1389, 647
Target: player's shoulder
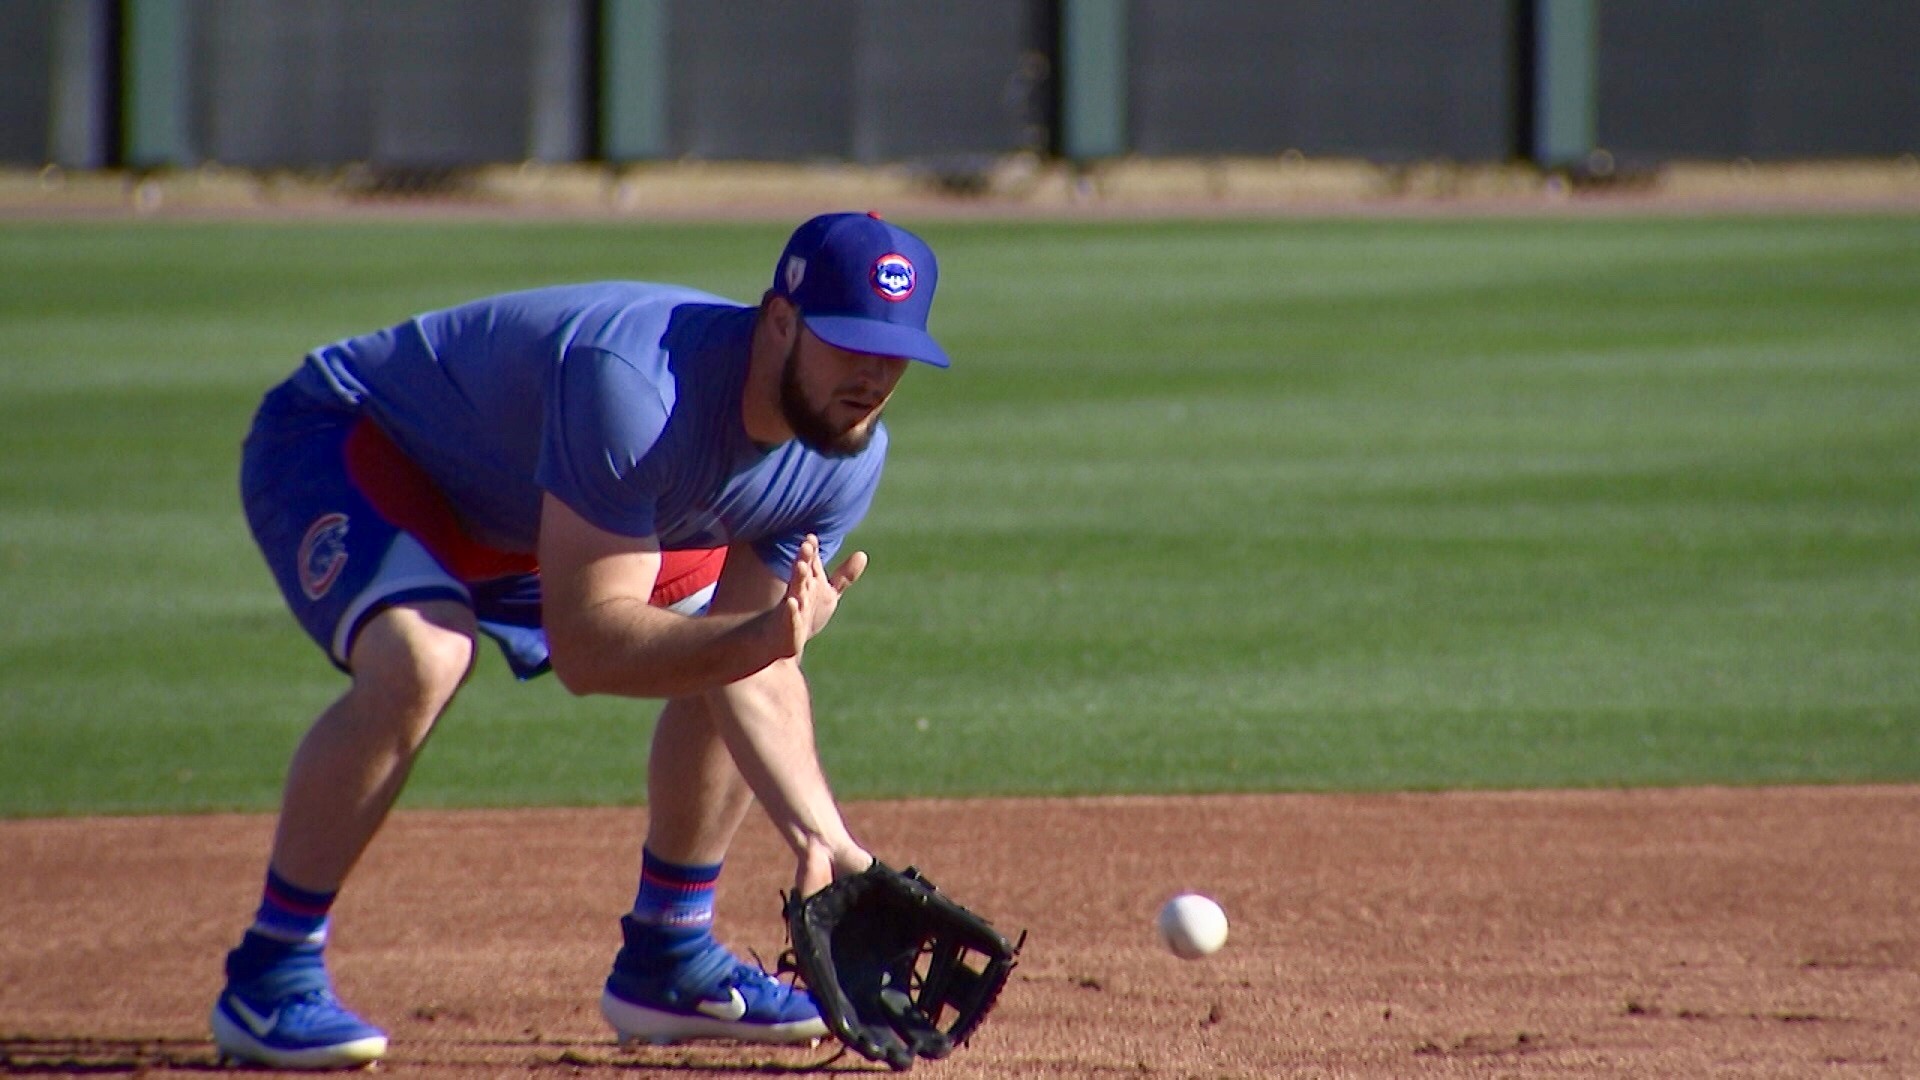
575, 309
637, 295
590, 304
637, 318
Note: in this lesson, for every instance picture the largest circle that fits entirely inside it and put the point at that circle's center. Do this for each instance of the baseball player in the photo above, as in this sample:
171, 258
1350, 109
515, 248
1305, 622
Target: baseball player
636, 486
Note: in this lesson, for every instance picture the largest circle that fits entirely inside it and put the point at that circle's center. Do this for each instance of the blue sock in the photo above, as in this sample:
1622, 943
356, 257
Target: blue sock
291, 914
675, 901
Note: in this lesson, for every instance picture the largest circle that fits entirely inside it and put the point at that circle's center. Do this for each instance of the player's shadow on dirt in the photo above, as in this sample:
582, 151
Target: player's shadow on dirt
41, 1055
825, 1060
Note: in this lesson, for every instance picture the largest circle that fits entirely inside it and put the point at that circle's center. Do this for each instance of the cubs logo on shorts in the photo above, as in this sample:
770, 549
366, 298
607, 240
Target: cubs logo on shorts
350, 527
892, 277
323, 554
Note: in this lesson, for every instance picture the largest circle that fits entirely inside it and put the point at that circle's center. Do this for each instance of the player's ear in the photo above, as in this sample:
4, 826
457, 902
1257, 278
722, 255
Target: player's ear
782, 315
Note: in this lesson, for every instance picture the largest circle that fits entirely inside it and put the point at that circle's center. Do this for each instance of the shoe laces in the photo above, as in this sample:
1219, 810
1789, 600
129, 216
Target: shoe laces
318, 999
755, 975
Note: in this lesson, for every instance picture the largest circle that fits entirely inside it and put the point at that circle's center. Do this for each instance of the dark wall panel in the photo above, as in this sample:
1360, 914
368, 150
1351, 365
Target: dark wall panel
855, 79
1764, 79
453, 81
761, 84
281, 84
1389, 79
415, 83
26, 80
945, 80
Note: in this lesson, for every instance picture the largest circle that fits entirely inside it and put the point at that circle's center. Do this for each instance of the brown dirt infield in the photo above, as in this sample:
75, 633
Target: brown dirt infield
1681, 933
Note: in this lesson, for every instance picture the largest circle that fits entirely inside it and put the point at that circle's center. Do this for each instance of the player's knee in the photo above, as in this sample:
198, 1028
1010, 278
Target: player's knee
412, 660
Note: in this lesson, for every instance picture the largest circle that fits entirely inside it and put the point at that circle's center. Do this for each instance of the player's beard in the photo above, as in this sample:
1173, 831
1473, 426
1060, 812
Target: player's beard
810, 425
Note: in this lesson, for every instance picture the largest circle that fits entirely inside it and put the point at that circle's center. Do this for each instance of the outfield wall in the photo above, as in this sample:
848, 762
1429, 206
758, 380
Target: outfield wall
432, 84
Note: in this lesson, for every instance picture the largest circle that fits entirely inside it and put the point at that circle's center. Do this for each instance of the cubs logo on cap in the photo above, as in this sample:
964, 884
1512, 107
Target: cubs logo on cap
892, 277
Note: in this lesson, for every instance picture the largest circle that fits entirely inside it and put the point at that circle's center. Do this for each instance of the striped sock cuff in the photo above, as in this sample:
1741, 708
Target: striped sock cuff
289, 913
675, 895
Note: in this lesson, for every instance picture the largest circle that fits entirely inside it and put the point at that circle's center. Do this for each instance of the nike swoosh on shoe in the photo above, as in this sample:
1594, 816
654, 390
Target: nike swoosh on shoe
733, 1008
261, 1026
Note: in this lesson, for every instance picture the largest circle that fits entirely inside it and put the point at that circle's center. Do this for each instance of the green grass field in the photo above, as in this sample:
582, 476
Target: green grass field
1233, 506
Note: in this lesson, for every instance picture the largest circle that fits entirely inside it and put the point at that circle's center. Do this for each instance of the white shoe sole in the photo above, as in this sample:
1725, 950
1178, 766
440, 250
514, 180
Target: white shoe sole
638, 1023
240, 1044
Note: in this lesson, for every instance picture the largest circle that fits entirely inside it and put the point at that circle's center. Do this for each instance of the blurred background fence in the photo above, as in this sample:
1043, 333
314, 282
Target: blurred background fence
442, 84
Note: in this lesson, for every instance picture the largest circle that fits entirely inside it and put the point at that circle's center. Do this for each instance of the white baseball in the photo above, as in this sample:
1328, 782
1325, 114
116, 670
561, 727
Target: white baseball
1193, 926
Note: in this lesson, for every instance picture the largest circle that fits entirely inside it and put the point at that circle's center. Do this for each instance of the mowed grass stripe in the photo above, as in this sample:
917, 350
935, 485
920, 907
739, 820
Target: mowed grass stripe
1203, 506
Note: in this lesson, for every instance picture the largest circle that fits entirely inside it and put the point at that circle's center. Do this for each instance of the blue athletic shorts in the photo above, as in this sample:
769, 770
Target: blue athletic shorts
308, 481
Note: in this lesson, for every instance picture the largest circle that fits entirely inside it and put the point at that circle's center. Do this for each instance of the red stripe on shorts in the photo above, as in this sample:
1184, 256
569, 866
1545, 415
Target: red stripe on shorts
406, 496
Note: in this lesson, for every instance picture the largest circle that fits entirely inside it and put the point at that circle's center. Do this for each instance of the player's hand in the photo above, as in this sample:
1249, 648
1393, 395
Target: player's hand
812, 596
820, 867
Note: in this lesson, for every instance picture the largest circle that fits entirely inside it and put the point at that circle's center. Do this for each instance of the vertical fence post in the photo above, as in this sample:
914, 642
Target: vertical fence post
154, 102
633, 79
1565, 42
1093, 78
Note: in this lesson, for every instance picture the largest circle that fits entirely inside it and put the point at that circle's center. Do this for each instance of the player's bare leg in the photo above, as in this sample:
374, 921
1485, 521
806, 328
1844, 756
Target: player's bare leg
696, 797
407, 664
278, 1007
673, 981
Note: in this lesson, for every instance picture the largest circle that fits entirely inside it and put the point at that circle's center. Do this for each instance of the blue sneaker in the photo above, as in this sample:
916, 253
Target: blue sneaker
286, 1017
699, 990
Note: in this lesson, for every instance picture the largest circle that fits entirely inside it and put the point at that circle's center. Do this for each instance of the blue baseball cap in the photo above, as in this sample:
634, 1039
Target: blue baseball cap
862, 284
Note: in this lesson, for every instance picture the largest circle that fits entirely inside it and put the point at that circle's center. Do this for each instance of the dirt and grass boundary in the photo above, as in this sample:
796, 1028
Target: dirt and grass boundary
1012, 187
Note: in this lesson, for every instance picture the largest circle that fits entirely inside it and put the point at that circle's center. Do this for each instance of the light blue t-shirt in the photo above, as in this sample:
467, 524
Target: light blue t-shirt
622, 399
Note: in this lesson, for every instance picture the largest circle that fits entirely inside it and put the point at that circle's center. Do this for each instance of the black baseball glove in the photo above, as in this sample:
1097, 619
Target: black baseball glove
898, 969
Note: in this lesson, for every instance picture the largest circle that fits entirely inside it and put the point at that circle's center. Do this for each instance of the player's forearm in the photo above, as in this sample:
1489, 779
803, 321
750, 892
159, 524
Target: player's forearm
625, 646
767, 723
